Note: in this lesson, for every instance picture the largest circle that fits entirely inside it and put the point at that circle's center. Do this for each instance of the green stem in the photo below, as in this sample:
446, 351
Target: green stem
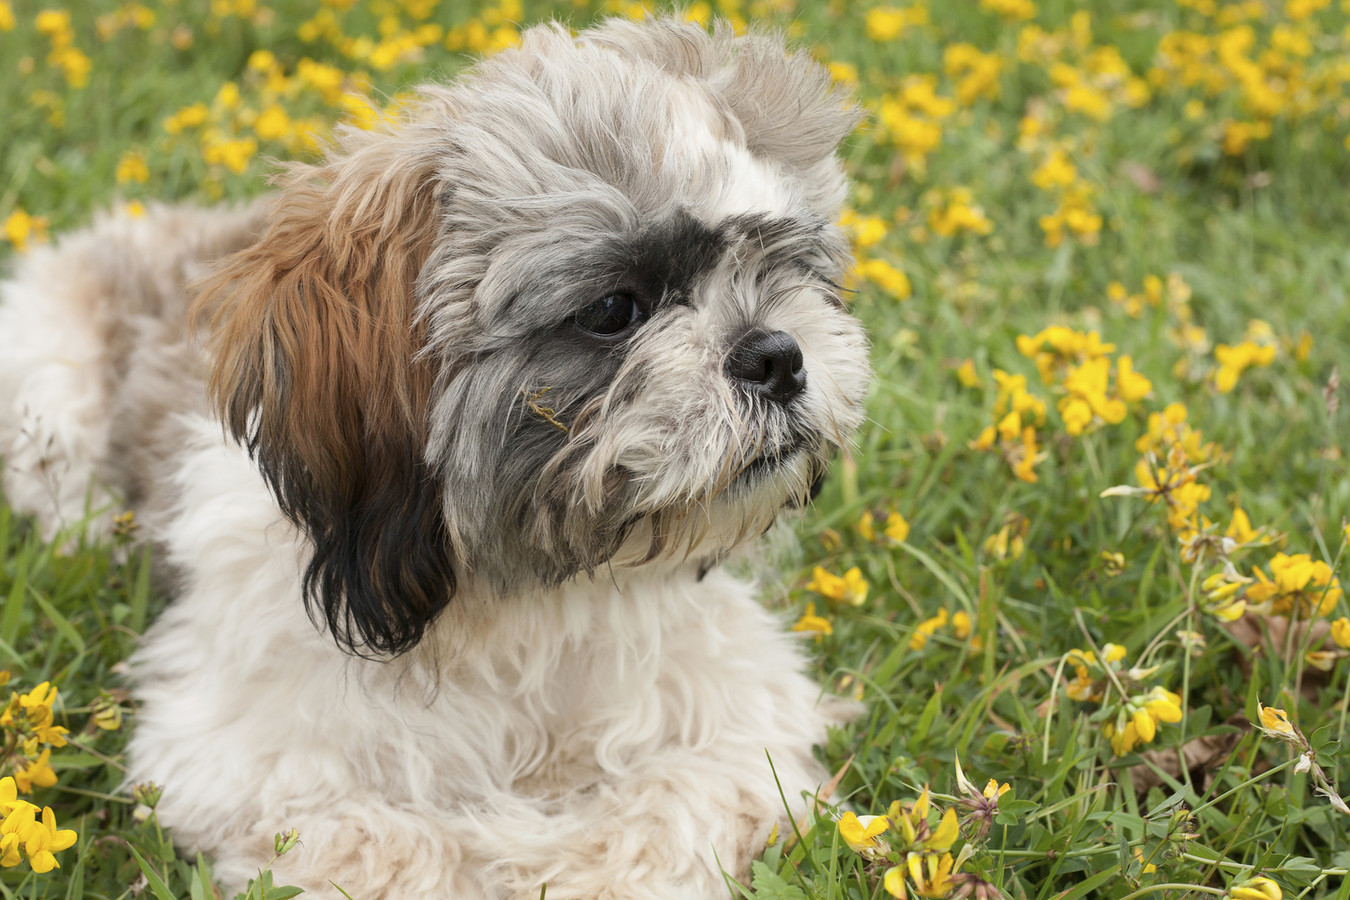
1250, 781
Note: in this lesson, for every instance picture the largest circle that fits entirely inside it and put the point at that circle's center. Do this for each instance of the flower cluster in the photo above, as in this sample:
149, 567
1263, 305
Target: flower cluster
29, 833
911, 852
1131, 711
1017, 414
29, 733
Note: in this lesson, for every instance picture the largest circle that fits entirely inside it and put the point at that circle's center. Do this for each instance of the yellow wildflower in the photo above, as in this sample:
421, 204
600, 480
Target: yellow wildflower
897, 528
887, 277
958, 215
1130, 385
1222, 596
1340, 632
35, 773
1275, 722
931, 873
42, 839
811, 622
844, 73
927, 627
1233, 361
20, 228
863, 834
1258, 888
851, 588
1009, 541
976, 73
965, 373
1055, 171
894, 883
1013, 10
887, 23
867, 231
273, 124
132, 167
1298, 586
187, 117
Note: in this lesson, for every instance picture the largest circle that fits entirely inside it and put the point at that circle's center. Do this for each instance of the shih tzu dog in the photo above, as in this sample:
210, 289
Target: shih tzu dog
441, 446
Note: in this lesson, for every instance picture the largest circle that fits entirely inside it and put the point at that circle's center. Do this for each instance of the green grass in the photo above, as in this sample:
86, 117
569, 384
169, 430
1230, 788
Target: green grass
1256, 234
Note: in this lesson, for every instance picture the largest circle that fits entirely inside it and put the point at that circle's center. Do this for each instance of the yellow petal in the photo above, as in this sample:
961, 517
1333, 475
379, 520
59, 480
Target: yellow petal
946, 833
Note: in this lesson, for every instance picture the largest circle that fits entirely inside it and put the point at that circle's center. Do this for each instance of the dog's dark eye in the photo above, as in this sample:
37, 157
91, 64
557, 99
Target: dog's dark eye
610, 315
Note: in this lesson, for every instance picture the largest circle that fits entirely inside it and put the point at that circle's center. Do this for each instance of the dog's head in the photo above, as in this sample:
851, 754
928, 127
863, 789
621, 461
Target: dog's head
578, 309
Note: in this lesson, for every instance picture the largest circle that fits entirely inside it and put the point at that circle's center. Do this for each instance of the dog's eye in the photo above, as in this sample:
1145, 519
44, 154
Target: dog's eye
610, 315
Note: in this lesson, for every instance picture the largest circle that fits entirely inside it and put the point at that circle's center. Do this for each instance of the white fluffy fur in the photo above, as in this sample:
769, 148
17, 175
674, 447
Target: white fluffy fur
610, 737
614, 741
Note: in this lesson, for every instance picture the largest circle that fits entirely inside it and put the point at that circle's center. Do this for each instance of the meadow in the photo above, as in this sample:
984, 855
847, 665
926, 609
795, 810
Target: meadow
1082, 565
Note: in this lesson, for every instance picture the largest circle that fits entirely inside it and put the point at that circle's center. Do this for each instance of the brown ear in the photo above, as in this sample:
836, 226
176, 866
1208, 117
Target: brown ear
315, 370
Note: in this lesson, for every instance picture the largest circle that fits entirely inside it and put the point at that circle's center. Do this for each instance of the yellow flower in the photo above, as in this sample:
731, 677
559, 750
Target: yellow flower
855, 587
35, 773
851, 588
1233, 361
844, 73
894, 883
965, 373
1340, 632
811, 622
1013, 10
961, 625
887, 277
131, 167
897, 529
888, 22
1055, 172
20, 227
1130, 385
1240, 529
42, 839
1298, 587
1009, 541
1323, 660
931, 873
1258, 888
927, 627
867, 526
863, 834
958, 215
1222, 596
234, 154
1275, 722
867, 231
187, 117
273, 124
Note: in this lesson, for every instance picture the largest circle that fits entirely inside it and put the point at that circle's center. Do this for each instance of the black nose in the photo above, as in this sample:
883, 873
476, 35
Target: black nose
769, 365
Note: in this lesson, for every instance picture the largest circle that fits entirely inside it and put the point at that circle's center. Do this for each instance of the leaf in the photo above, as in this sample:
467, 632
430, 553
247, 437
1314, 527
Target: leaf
769, 885
1083, 888
157, 885
1010, 812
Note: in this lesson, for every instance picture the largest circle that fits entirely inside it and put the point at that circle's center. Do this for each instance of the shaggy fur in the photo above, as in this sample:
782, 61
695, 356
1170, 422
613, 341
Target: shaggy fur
443, 458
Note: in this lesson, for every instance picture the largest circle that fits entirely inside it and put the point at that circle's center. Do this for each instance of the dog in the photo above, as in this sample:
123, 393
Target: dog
442, 446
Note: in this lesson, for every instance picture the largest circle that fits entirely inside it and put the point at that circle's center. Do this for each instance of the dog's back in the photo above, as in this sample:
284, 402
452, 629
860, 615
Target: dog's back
95, 358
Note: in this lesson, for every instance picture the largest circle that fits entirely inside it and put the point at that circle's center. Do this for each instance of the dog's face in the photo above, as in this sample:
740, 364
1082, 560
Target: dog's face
578, 310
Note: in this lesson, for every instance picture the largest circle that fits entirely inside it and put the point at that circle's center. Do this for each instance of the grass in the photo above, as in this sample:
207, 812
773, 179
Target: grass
1203, 145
